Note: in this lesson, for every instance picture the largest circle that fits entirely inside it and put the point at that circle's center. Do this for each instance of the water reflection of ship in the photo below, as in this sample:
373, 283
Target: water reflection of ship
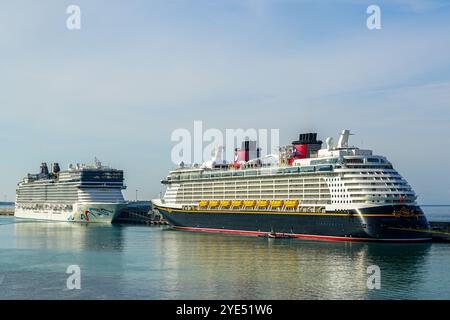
62, 235
257, 268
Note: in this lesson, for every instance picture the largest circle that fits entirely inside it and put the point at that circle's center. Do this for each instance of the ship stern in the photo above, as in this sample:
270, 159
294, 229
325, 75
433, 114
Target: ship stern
396, 223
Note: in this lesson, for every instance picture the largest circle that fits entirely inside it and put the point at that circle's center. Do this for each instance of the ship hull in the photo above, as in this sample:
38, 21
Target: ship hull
371, 224
85, 212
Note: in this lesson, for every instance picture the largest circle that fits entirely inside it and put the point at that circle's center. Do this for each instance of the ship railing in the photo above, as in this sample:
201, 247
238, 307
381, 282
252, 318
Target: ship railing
299, 208
261, 171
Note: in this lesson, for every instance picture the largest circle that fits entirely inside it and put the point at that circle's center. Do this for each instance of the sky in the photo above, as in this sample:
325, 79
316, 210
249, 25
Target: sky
137, 70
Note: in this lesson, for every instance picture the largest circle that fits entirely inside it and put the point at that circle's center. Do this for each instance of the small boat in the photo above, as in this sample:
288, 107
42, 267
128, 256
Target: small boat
273, 235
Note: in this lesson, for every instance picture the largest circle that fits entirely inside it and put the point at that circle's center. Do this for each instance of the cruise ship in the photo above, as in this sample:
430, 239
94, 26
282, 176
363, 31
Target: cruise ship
339, 192
83, 193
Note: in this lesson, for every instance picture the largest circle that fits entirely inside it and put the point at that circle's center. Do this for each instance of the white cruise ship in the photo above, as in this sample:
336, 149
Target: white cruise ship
339, 192
83, 193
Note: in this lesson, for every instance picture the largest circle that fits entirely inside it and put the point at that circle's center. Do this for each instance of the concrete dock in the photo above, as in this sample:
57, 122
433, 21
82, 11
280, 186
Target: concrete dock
6, 211
440, 231
140, 212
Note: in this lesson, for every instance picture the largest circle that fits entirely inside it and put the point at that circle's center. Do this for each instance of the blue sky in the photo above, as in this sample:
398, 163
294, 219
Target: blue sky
137, 70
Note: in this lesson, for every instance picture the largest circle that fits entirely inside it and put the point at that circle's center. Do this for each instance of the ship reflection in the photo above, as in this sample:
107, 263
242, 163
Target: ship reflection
46, 249
141, 262
230, 267
64, 235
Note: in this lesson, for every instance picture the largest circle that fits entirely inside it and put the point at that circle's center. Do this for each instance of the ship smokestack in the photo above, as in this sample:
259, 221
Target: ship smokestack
249, 151
56, 169
44, 168
306, 146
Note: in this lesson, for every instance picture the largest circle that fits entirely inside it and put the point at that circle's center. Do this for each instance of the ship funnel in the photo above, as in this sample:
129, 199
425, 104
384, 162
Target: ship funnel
307, 146
248, 151
56, 169
44, 168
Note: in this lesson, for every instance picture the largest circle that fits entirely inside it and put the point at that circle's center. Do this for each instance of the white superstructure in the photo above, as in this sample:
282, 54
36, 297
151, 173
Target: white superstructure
83, 193
336, 178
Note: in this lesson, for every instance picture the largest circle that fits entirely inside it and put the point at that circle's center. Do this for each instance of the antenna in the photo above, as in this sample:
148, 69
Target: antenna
97, 163
217, 158
343, 139
330, 143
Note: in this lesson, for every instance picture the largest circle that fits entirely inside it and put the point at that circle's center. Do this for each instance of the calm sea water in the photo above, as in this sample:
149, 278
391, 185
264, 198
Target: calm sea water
140, 262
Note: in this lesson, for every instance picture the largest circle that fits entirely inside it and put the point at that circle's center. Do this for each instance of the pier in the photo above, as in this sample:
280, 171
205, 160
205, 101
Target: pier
6, 211
440, 231
140, 212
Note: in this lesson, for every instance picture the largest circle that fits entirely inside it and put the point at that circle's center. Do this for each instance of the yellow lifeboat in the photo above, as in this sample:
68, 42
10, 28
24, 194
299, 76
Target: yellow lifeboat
292, 204
203, 203
236, 203
249, 203
225, 203
214, 203
263, 203
276, 203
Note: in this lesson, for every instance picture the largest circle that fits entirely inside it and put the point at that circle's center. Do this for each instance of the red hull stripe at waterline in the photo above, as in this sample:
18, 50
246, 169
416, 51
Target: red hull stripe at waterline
302, 236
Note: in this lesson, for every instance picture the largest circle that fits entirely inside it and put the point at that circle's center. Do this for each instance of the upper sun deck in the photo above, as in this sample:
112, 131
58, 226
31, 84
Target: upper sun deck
82, 174
291, 160
305, 166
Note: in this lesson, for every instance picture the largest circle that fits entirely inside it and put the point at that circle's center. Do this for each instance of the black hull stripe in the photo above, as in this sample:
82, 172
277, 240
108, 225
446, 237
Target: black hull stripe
169, 209
327, 226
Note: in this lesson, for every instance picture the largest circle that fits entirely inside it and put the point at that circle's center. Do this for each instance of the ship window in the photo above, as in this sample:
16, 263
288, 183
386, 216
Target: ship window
357, 160
112, 176
293, 170
323, 161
